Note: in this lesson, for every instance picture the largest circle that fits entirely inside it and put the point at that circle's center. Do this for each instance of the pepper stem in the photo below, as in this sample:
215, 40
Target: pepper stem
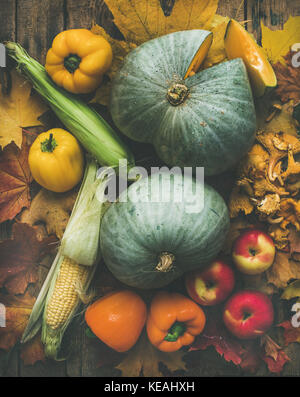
48, 145
175, 331
165, 263
72, 62
177, 94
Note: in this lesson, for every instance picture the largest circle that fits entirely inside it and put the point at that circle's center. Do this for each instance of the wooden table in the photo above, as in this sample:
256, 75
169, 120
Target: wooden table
34, 23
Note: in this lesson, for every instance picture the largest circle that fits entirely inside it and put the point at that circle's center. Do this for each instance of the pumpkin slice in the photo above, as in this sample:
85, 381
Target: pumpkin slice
240, 44
199, 57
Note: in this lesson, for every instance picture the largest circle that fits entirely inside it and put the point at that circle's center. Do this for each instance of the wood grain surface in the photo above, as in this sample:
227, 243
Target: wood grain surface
34, 24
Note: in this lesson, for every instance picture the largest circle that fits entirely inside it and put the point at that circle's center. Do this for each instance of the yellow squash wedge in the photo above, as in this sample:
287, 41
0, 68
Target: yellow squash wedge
240, 44
199, 57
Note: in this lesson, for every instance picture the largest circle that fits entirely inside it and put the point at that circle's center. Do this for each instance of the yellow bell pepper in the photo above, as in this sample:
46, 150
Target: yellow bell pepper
56, 160
78, 59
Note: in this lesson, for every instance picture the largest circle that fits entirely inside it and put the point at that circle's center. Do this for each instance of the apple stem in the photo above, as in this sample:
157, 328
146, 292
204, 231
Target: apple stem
246, 315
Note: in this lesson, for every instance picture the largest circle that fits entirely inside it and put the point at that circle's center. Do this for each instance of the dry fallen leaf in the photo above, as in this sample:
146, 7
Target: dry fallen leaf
19, 257
18, 110
294, 243
18, 309
277, 43
143, 360
15, 178
273, 354
288, 79
283, 270
291, 334
51, 208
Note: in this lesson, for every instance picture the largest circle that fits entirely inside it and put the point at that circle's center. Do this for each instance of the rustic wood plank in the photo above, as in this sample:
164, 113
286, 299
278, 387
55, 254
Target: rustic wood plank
10, 363
86, 13
232, 8
74, 361
8, 20
47, 369
38, 24
273, 13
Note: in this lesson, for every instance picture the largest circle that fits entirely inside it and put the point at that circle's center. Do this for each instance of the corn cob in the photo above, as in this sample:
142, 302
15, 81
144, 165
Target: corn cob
68, 281
65, 295
68, 285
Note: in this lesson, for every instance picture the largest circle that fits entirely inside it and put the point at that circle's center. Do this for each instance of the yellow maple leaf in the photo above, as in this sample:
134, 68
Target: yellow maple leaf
18, 110
144, 359
140, 21
278, 43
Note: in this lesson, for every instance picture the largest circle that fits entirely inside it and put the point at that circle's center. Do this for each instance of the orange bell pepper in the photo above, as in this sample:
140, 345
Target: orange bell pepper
174, 321
117, 319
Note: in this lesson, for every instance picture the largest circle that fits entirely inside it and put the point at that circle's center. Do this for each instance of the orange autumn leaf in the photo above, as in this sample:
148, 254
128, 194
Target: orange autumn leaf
15, 178
19, 257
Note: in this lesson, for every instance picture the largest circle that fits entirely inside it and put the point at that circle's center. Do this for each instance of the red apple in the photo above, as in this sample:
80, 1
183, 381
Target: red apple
248, 314
211, 285
253, 252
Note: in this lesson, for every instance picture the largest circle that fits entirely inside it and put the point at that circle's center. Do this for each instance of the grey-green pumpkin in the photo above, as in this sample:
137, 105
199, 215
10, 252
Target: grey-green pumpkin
161, 227
207, 119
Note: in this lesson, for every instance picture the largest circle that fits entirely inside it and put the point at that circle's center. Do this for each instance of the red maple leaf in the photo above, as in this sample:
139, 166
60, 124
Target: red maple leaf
291, 334
215, 334
19, 257
15, 178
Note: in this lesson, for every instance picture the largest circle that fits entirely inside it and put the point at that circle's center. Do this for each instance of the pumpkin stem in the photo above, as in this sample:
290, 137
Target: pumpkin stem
177, 94
165, 263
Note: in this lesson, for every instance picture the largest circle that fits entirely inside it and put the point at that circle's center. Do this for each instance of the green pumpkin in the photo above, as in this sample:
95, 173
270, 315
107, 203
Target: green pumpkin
148, 239
207, 119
